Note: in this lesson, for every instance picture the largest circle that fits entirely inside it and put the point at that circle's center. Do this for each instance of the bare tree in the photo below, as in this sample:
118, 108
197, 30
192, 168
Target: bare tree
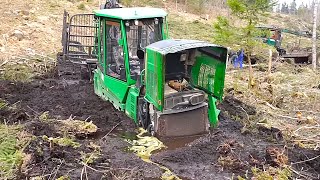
314, 36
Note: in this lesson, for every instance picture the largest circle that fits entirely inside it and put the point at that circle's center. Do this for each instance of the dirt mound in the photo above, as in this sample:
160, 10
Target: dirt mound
12, 115
235, 107
226, 152
61, 98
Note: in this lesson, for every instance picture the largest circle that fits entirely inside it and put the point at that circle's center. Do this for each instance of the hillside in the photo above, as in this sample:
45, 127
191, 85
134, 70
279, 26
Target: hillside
57, 127
37, 25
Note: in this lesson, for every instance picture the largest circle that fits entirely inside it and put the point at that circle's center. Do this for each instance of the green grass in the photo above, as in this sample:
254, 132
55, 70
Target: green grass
272, 173
17, 73
133, 3
179, 28
10, 151
3, 104
81, 6
64, 141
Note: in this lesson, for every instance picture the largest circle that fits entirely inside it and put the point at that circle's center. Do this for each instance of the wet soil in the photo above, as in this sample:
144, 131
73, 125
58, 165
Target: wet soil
225, 152
78, 100
222, 154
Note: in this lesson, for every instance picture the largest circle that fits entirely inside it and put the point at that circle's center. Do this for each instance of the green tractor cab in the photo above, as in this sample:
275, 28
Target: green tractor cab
169, 87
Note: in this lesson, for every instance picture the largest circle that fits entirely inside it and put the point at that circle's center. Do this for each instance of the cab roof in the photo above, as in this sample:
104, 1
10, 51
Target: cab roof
175, 45
131, 13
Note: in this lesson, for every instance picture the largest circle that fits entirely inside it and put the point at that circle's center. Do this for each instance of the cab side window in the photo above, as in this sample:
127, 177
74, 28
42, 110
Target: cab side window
115, 66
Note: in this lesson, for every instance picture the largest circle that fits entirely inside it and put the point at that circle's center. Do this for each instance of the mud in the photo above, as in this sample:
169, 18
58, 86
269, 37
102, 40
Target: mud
222, 154
63, 99
225, 152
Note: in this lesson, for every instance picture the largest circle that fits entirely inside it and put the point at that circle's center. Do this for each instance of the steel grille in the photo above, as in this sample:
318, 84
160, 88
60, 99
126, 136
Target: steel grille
81, 38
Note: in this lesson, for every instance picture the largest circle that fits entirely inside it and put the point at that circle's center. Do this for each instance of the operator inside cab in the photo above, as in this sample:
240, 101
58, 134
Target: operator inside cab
141, 33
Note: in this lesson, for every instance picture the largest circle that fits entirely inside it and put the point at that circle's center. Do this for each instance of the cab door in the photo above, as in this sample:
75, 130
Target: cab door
154, 79
208, 72
115, 76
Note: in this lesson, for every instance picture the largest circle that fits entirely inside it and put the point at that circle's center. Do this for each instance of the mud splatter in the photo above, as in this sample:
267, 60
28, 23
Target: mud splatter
144, 146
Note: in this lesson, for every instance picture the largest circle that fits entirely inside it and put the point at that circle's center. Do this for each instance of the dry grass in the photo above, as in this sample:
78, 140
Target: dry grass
25, 68
13, 140
40, 22
288, 99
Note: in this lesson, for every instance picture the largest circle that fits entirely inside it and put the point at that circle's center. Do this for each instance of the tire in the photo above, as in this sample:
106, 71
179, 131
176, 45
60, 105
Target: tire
143, 114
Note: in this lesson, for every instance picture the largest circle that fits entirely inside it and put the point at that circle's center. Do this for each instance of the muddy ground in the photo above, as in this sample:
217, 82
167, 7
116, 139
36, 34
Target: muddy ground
224, 153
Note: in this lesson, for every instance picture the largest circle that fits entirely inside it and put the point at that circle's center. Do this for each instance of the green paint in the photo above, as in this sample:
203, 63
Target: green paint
207, 67
154, 78
207, 73
131, 103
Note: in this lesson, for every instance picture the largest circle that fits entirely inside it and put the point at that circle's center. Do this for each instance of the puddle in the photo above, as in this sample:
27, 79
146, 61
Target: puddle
144, 146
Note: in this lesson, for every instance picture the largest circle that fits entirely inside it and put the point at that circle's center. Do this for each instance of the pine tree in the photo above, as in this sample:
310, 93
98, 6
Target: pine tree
278, 9
284, 8
293, 7
301, 10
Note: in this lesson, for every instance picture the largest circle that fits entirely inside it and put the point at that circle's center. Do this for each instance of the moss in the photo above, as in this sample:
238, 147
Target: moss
11, 148
65, 177
81, 6
65, 141
272, 173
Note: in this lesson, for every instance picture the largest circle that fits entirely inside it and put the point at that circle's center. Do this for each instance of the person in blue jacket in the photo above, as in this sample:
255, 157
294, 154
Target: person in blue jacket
239, 60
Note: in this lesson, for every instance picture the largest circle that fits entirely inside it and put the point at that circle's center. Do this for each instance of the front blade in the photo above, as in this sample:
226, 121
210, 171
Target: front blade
185, 123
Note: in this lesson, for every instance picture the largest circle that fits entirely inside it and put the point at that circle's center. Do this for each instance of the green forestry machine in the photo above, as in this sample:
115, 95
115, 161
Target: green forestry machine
300, 55
169, 87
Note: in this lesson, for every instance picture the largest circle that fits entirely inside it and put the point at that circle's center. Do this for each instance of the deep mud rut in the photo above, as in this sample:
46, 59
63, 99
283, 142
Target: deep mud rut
222, 154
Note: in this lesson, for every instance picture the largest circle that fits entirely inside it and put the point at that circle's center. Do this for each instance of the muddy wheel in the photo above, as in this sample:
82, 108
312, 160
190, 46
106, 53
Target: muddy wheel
143, 114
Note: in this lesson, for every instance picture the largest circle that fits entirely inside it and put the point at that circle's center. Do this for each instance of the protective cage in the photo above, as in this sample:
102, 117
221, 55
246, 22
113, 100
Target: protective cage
78, 42
79, 37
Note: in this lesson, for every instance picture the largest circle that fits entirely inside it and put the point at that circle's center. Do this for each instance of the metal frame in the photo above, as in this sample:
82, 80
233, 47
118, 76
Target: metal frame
81, 37
79, 48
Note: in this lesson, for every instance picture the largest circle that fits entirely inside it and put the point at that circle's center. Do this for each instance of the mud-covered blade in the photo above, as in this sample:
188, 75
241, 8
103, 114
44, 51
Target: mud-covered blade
185, 123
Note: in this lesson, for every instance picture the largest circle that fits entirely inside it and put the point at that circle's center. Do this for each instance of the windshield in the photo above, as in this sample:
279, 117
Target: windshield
141, 33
